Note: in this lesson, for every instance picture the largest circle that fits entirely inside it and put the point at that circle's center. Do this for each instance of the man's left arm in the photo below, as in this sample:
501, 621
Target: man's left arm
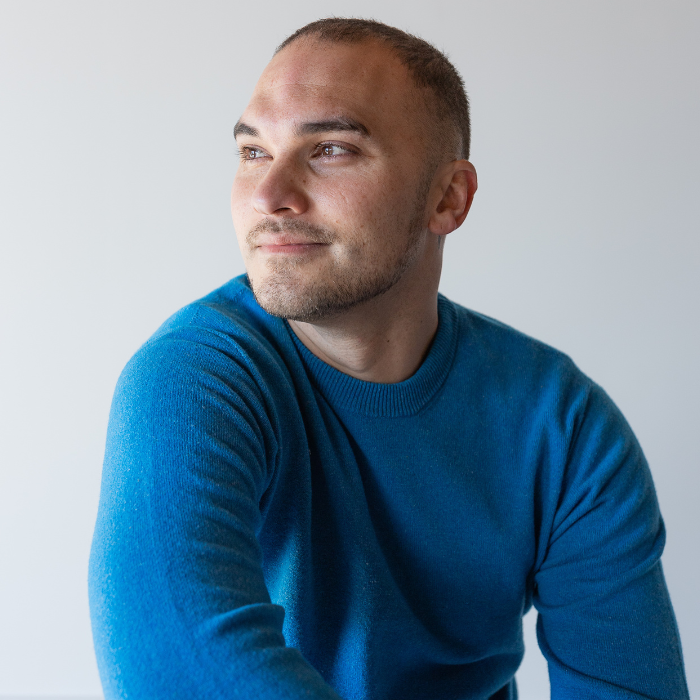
606, 625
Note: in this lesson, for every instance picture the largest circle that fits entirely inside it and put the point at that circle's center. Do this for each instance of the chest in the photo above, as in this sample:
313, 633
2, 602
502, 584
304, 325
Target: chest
404, 517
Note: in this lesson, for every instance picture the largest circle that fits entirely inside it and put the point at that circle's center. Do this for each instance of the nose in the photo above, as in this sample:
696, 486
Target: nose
281, 190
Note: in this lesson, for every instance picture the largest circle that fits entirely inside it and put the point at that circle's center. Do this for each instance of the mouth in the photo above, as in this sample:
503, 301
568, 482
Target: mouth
287, 245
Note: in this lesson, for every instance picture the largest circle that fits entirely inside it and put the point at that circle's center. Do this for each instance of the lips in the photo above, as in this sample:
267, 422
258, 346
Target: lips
287, 245
283, 241
288, 235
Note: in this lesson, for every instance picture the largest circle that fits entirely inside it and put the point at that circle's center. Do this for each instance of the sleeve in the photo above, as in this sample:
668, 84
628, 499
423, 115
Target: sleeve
605, 623
178, 601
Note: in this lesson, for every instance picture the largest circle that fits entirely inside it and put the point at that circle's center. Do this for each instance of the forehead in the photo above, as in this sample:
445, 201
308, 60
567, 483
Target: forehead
310, 79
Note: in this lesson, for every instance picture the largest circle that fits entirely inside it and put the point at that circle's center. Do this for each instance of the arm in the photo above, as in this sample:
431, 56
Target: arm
605, 622
178, 601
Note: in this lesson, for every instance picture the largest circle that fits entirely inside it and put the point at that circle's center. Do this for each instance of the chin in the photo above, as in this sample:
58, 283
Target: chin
287, 296
297, 304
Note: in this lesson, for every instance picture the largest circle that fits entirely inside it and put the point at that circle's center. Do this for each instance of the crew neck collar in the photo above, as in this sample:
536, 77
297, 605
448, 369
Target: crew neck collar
388, 400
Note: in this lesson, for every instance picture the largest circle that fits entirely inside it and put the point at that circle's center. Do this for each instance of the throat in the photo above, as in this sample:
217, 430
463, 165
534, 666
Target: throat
384, 352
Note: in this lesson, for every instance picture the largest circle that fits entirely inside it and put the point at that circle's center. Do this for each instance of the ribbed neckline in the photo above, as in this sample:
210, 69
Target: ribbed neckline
389, 400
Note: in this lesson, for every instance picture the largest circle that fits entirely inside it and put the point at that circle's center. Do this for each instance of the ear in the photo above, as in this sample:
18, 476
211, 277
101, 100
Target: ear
458, 185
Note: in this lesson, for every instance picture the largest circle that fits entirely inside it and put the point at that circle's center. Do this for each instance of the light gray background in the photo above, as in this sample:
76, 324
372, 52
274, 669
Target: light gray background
116, 159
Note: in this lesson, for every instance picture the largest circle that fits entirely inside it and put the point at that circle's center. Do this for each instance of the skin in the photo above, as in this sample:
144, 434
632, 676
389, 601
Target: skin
341, 203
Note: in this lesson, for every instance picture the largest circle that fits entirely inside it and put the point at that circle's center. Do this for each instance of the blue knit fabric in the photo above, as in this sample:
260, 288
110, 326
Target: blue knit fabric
270, 527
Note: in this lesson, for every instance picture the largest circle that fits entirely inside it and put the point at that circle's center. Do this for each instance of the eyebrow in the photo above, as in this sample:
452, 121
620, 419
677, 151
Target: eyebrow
243, 129
333, 124
323, 126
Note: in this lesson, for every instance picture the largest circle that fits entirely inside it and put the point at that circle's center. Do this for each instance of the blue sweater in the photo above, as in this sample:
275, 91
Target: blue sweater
270, 527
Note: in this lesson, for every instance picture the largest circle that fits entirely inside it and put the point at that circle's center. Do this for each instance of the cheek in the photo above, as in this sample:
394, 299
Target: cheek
381, 209
240, 216
241, 192
238, 193
358, 204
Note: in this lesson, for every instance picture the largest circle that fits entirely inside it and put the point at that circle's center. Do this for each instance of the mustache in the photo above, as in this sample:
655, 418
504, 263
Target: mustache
311, 232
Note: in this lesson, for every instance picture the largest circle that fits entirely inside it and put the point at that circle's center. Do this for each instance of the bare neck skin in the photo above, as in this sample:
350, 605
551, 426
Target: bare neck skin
386, 339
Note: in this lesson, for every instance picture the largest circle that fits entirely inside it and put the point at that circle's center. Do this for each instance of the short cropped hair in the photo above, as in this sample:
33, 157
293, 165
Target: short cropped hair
428, 67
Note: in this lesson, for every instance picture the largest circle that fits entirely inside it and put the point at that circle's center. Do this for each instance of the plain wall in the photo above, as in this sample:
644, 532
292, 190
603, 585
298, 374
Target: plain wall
116, 159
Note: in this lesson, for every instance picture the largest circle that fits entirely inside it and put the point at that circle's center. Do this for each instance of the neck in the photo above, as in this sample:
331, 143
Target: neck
384, 340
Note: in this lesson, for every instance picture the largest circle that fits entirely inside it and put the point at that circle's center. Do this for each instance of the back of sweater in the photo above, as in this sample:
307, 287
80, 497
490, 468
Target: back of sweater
272, 528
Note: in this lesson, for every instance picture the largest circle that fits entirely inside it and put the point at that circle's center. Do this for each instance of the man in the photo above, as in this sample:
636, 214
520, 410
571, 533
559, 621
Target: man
325, 480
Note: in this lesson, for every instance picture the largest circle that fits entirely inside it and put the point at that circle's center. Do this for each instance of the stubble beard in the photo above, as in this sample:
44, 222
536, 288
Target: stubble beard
288, 292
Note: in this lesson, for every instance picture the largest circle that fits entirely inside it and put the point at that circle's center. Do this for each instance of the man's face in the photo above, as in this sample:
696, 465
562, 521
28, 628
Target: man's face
329, 198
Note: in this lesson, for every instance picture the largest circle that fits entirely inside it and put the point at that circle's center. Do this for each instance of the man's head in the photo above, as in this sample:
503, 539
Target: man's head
444, 94
350, 165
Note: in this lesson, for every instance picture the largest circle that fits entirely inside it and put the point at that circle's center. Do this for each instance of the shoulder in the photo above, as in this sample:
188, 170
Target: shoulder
223, 343
228, 318
498, 354
228, 321
532, 388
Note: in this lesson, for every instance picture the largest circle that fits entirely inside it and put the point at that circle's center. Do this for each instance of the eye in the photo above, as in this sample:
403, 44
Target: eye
251, 153
329, 150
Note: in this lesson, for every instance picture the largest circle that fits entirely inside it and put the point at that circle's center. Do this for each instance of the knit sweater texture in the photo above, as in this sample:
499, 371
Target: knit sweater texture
271, 528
